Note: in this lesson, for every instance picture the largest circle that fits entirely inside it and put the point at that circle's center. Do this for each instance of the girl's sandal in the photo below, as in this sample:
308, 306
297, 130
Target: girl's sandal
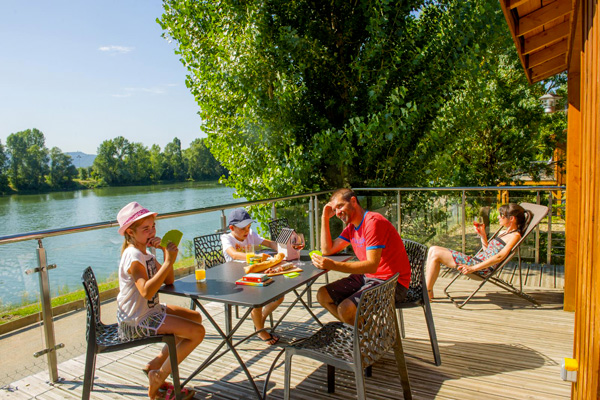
165, 387
186, 394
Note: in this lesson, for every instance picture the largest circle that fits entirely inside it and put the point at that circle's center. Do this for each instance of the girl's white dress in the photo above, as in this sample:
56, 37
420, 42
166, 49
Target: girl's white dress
137, 316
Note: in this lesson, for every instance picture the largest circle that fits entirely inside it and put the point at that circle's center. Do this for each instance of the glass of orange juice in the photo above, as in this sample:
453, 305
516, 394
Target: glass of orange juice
200, 270
249, 250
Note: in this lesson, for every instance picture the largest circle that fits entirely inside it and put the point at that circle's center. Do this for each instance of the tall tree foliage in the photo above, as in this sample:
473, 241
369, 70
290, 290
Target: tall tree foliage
201, 164
111, 160
61, 170
492, 129
28, 159
4, 186
120, 162
301, 95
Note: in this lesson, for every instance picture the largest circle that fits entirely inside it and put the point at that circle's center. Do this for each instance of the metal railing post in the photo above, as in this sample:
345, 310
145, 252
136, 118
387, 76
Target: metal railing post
48, 322
273, 211
399, 211
223, 221
549, 247
311, 222
463, 221
537, 235
317, 227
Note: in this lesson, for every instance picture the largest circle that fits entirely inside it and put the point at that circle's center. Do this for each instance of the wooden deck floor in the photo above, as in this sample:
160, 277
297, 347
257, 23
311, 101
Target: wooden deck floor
498, 347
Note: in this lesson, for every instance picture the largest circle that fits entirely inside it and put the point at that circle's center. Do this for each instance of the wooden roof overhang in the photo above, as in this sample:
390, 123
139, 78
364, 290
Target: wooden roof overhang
541, 30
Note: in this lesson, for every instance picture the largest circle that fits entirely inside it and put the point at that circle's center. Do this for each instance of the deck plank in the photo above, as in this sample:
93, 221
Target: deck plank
498, 347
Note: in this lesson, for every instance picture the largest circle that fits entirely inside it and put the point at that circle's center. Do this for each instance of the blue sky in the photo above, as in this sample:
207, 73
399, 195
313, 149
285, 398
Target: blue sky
86, 71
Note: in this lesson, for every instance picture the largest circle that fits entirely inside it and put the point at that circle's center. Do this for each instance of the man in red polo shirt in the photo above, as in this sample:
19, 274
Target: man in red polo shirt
377, 245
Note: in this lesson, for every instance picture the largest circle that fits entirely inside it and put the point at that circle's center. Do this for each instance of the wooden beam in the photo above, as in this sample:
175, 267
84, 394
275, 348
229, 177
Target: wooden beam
512, 26
546, 14
551, 65
515, 3
548, 53
545, 38
547, 74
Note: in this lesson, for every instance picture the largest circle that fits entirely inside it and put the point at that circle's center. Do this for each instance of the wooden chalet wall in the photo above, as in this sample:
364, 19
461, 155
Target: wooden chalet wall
552, 36
583, 182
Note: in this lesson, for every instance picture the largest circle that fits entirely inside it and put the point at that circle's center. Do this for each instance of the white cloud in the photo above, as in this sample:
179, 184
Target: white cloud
116, 49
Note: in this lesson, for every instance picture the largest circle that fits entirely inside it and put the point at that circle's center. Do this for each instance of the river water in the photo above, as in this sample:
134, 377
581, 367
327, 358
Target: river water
98, 248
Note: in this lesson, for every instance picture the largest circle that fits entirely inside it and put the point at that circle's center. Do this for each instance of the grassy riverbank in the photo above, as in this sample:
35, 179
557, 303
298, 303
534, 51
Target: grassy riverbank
15, 313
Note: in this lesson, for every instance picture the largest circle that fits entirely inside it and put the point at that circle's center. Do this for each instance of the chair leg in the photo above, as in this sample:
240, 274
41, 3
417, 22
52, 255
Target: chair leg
360, 383
456, 303
287, 375
369, 371
170, 341
402, 369
432, 335
90, 367
330, 379
309, 296
401, 320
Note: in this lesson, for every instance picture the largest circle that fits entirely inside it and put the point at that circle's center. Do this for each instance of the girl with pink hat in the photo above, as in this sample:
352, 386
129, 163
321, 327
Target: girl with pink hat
139, 312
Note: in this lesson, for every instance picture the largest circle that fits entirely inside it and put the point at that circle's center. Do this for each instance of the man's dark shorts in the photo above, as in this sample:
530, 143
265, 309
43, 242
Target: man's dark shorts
352, 287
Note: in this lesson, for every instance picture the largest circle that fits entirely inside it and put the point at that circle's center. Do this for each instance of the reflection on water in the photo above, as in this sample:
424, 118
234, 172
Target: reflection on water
99, 248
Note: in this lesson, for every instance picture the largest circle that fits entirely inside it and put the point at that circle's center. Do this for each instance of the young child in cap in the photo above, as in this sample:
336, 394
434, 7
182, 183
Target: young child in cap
235, 244
139, 312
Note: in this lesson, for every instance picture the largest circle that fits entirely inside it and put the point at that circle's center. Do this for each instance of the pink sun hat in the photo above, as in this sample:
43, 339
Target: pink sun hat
131, 213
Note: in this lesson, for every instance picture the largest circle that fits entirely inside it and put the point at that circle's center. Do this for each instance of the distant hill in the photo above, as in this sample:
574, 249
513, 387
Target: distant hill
81, 159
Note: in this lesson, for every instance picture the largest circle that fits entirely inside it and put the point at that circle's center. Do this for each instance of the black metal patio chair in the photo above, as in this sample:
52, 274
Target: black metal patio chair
275, 226
417, 295
535, 213
354, 348
103, 338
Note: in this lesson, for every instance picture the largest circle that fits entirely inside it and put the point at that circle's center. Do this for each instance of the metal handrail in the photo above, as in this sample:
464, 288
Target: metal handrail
465, 188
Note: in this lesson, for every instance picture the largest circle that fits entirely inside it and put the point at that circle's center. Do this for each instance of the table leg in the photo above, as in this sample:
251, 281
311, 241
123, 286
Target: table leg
226, 341
298, 298
228, 318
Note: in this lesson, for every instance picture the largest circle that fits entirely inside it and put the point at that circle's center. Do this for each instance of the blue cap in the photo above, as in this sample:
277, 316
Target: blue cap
240, 218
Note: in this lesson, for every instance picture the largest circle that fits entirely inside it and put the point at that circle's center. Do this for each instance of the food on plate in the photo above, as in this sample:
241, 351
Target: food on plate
261, 266
279, 268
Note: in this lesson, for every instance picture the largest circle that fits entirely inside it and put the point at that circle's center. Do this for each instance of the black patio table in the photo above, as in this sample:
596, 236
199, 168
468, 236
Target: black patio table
220, 287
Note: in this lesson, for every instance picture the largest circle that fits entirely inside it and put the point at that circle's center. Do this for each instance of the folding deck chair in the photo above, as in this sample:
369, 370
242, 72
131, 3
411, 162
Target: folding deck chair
538, 212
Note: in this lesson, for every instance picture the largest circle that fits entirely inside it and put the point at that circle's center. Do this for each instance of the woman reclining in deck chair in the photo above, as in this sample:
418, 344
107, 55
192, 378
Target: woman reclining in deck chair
511, 216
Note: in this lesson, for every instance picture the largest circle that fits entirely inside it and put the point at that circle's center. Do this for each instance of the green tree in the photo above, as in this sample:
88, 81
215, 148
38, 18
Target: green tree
157, 163
302, 95
82, 173
138, 164
202, 165
28, 159
492, 129
175, 169
110, 164
4, 186
62, 171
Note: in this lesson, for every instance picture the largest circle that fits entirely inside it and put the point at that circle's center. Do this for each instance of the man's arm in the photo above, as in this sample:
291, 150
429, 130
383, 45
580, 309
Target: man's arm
369, 266
329, 246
